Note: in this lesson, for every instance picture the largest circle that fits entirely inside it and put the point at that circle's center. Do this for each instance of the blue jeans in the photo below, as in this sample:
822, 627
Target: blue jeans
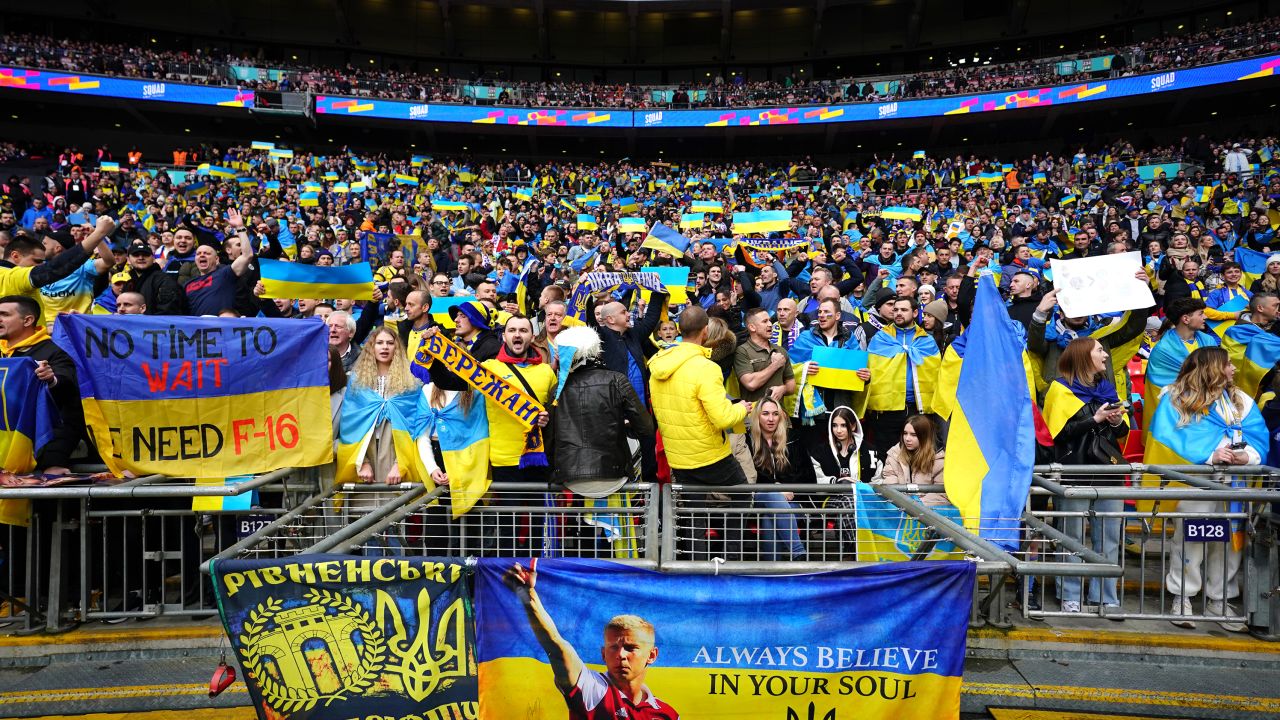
779, 539
1104, 539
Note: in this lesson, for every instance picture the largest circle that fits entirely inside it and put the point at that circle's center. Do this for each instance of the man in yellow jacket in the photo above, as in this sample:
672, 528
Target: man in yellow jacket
694, 414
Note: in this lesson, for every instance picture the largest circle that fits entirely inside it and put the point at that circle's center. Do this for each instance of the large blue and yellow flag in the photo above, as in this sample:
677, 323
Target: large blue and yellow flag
363, 412
896, 356
29, 416
761, 221
886, 533
722, 646
1163, 364
463, 433
988, 466
1254, 352
294, 280
665, 240
1252, 263
207, 397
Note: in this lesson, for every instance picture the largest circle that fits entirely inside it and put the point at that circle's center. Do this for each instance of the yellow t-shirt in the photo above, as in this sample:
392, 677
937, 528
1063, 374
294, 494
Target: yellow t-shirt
506, 433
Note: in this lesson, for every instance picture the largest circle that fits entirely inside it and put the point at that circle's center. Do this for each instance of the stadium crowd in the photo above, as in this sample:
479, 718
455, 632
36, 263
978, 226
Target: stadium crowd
711, 378
201, 66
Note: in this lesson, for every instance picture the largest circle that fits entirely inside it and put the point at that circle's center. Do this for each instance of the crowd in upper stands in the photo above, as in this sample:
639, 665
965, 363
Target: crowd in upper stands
394, 82
885, 257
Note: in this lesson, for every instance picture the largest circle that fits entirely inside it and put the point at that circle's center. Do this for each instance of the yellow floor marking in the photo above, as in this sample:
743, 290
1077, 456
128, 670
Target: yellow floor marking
1021, 714
1128, 639
1236, 703
109, 693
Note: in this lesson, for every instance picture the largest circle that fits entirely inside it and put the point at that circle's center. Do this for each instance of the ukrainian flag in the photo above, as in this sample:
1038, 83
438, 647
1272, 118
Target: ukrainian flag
225, 173
109, 166
1068, 199
588, 200
838, 368
363, 410
331, 176
1204, 193
988, 466
565, 204
247, 182
309, 199
440, 308
465, 175
706, 206
310, 186
761, 221
29, 415
272, 186
732, 178
888, 357
1163, 365
419, 160
341, 188
918, 155
525, 194
631, 225
402, 179
1253, 351
887, 533
990, 177
898, 212
692, 221
365, 165
628, 205
359, 186
262, 145
294, 280
665, 240
449, 205
195, 189
1253, 263
674, 279
464, 446
1039, 178
587, 222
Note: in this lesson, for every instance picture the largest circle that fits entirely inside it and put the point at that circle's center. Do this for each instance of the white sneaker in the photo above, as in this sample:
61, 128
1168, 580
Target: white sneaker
1182, 606
1070, 606
1218, 607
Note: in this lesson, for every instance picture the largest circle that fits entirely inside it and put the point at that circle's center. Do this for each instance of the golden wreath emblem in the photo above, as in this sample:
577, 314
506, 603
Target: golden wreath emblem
332, 667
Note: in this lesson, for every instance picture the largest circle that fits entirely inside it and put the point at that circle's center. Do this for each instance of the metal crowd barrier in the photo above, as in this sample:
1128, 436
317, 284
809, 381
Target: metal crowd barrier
1205, 533
133, 549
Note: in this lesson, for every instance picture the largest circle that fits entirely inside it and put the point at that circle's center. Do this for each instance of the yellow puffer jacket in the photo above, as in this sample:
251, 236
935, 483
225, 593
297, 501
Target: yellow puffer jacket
691, 407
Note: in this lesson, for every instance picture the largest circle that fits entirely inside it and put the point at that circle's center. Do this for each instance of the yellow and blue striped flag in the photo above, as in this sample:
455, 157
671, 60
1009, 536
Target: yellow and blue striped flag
365, 165
281, 153
296, 281
445, 205
587, 222
706, 206
419, 160
988, 468
341, 188
628, 205
195, 189
402, 179
262, 145
838, 368
522, 193
309, 199
105, 166
330, 176
692, 221
917, 155
632, 225
761, 221
665, 240
28, 413
1068, 199
272, 186
898, 212
247, 182
565, 204
219, 171
589, 200
1204, 193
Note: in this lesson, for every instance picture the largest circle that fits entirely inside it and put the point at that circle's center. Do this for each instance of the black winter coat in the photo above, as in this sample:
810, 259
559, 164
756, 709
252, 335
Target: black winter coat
595, 414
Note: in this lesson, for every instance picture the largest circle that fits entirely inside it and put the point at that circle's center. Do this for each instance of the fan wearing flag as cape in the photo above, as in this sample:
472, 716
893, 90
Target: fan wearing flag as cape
1186, 333
377, 425
453, 440
1204, 418
904, 360
1087, 421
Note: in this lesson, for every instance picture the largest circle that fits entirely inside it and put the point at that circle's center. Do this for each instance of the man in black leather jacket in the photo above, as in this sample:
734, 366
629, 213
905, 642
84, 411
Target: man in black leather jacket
596, 411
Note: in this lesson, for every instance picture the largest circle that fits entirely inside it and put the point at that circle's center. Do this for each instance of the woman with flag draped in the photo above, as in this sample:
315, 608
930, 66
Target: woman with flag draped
1204, 418
1087, 420
379, 415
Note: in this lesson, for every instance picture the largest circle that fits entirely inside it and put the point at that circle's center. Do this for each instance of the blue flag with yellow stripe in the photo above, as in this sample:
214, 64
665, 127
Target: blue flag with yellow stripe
988, 465
294, 280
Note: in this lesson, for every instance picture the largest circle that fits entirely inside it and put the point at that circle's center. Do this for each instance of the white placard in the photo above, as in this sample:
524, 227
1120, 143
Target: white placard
1101, 284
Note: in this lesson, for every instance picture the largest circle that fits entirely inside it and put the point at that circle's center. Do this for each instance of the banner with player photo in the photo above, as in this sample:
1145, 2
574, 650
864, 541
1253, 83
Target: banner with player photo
589, 638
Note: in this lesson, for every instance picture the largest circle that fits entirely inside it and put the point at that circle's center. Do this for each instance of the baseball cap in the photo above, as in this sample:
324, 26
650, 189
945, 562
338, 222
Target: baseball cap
138, 247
